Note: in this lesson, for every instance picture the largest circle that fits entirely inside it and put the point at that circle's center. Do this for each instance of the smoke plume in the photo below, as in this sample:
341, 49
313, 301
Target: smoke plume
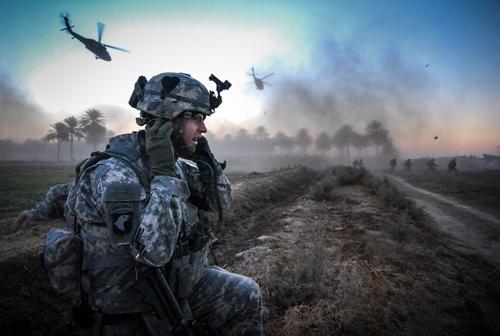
20, 117
343, 86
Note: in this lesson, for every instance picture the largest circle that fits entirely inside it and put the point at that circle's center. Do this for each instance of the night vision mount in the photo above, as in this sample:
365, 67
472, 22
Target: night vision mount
221, 86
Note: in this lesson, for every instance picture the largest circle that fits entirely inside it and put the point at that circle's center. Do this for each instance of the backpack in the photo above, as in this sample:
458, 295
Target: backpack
61, 255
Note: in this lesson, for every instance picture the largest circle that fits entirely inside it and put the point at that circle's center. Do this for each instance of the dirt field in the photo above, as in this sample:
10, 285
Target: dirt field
480, 189
335, 254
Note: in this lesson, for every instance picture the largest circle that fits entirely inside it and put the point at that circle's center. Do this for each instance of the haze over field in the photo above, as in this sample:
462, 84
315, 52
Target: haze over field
422, 69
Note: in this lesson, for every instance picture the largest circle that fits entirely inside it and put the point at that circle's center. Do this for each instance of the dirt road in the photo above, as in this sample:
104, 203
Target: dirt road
469, 226
332, 257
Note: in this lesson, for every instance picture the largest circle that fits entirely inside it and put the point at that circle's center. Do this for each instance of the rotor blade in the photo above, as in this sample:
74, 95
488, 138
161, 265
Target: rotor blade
267, 83
112, 47
63, 15
100, 30
267, 76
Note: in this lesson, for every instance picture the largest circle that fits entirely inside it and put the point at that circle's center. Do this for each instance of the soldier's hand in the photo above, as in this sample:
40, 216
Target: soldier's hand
203, 151
23, 216
159, 147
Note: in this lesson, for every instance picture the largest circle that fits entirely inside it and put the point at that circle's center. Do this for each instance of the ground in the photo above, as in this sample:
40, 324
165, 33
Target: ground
335, 252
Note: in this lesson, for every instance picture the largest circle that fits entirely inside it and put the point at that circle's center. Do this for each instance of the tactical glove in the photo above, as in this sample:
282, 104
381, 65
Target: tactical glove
159, 148
210, 170
207, 164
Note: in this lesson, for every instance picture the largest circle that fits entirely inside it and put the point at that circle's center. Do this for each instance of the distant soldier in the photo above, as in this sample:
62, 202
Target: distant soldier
51, 207
431, 165
452, 165
407, 164
393, 163
355, 163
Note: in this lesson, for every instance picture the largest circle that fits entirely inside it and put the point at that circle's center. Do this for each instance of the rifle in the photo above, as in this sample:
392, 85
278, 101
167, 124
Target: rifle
157, 292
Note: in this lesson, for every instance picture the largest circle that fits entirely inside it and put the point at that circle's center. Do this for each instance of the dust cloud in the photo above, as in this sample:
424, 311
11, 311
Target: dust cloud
341, 85
20, 117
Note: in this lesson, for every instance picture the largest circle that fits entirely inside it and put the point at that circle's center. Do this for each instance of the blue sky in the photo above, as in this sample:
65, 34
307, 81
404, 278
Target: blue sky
368, 57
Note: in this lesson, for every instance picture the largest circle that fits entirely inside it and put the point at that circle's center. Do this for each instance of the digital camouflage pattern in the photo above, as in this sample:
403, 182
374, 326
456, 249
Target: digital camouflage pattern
168, 100
227, 302
61, 258
52, 206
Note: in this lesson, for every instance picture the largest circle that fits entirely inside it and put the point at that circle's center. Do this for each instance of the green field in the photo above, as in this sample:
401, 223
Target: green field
24, 184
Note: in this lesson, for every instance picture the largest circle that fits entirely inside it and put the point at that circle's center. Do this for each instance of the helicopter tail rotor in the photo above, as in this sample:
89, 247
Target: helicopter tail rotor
65, 21
100, 30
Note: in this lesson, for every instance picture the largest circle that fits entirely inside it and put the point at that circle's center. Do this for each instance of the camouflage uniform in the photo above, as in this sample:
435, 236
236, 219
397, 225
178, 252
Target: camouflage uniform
452, 165
407, 164
431, 165
52, 206
222, 302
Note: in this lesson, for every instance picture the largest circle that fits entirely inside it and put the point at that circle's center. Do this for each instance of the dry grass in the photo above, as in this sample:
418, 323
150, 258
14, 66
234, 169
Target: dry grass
351, 304
297, 278
389, 273
325, 190
350, 176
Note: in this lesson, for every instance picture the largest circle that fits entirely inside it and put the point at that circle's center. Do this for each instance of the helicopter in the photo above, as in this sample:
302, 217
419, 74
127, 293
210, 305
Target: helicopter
96, 47
259, 82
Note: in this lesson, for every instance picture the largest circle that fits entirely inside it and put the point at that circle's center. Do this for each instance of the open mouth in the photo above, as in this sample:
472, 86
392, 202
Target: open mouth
195, 140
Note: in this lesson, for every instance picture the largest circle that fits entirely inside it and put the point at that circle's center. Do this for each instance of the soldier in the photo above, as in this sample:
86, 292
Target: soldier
431, 165
452, 166
407, 164
393, 164
51, 207
355, 163
146, 189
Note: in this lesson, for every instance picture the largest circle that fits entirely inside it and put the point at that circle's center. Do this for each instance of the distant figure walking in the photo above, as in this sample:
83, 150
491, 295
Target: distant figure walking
407, 164
393, 163
452, 166
431, 165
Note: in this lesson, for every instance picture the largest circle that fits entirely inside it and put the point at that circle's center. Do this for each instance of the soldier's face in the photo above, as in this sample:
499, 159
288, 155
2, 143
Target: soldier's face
194, 128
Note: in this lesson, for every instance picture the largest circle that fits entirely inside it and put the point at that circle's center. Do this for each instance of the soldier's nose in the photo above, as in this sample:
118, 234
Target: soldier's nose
202, 128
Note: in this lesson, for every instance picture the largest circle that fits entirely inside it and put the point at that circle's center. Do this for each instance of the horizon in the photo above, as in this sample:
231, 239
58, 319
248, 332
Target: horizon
423, 69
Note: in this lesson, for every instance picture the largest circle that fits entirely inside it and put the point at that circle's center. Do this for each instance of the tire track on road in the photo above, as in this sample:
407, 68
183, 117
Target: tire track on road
471, 227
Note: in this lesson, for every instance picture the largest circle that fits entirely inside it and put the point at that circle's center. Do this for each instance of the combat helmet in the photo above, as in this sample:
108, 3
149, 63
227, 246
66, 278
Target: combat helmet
169, 94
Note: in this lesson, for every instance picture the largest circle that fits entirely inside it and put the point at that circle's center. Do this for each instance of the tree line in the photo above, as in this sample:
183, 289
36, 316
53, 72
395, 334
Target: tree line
375, 141
91, 126
345, 139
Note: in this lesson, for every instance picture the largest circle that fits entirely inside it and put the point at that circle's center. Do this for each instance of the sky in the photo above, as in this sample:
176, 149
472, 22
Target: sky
423, 68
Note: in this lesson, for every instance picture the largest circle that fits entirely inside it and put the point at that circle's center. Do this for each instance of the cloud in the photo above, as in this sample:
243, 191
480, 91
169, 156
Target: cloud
342, 85
21, 118
118, 119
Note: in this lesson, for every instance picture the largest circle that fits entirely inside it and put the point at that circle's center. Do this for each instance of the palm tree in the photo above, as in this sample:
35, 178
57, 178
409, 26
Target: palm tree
73, 132
377, 134
303, 139
261, 133
342, 139
323, 142
360, 142
59, 133
283, 141
92, 124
